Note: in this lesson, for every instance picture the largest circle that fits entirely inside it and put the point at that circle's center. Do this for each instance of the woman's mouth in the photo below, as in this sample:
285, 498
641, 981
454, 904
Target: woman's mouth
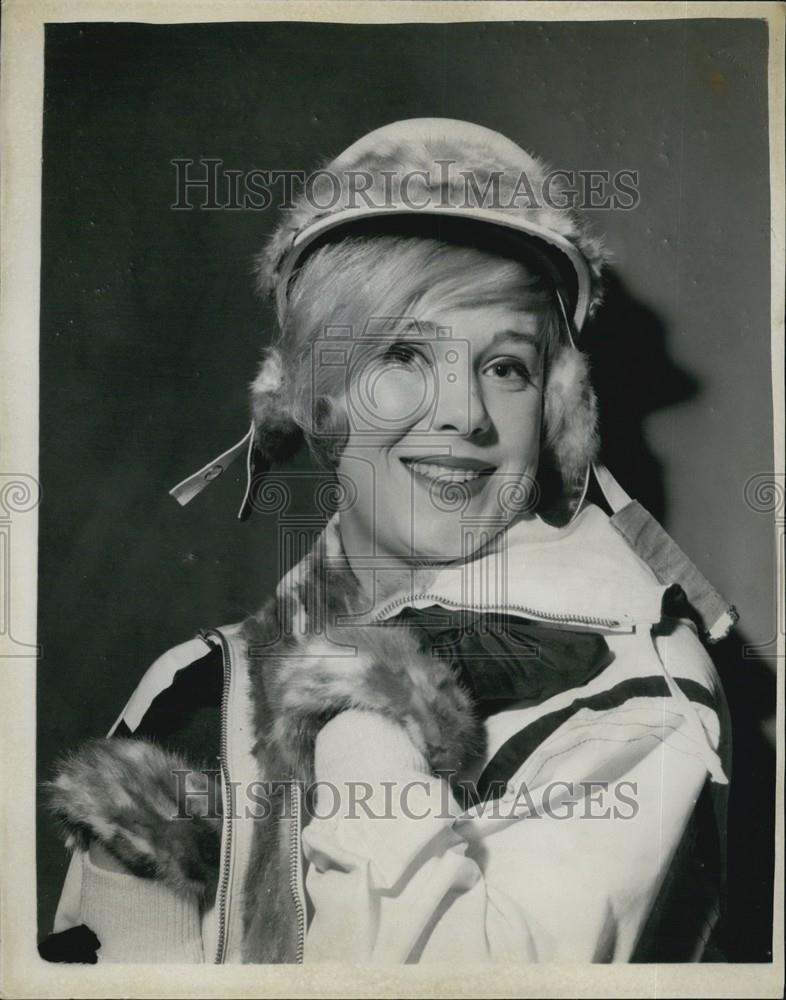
448, 469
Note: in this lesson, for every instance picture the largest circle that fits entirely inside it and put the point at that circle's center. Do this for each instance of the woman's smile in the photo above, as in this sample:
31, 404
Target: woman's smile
449, 469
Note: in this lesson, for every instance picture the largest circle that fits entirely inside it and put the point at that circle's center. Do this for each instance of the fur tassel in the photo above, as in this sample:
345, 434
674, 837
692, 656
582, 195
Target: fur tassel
128, 795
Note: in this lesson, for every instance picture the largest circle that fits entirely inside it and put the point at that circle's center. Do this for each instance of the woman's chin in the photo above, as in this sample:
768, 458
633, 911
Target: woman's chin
441, 544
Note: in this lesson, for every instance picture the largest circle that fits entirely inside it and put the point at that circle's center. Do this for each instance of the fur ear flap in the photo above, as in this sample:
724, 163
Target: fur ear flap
277, 435
570, 418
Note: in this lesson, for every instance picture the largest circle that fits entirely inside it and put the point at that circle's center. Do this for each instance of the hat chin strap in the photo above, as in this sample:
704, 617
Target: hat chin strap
592, 467
192, 485
615, 495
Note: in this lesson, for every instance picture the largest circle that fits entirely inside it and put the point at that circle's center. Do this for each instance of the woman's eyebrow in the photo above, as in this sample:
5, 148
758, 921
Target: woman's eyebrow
530, 338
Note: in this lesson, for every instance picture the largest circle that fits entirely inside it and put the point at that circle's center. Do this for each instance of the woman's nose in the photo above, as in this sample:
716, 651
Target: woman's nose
459, 406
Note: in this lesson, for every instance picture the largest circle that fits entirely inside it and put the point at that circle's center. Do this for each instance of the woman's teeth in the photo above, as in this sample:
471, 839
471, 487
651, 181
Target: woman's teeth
444, 473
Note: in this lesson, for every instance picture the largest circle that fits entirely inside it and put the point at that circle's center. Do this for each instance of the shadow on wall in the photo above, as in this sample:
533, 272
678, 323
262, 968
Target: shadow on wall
634, 377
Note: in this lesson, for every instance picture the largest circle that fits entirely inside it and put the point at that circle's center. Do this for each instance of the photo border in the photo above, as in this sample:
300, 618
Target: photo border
23, 973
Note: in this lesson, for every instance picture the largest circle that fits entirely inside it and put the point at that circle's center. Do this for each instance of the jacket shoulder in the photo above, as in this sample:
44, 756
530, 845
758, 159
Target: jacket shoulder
685, 656
177, 703
158, 677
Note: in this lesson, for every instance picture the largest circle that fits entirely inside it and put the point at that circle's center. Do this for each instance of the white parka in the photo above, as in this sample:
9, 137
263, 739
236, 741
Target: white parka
606, 845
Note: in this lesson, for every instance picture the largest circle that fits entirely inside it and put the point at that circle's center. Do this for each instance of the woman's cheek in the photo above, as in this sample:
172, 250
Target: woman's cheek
517, 418
390, 401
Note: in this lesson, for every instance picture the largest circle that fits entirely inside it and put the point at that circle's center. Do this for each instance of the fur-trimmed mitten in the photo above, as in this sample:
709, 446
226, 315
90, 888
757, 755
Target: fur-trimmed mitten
151, 810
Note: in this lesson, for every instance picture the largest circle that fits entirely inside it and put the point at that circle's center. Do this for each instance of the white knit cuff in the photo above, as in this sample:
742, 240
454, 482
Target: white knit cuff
137, 919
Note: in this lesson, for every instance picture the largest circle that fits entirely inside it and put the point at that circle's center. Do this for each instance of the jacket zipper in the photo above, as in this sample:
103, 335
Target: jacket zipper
223, 881
527, 612
295, 872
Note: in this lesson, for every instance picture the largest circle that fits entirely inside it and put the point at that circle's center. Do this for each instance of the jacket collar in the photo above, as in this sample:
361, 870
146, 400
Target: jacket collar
583, 574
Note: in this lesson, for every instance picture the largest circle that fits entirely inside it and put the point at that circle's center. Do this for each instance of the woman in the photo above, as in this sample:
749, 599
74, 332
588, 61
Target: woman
476, 722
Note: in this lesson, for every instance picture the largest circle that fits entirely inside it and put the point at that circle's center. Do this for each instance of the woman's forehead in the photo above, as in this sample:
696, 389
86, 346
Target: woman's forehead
431, 321
478, 327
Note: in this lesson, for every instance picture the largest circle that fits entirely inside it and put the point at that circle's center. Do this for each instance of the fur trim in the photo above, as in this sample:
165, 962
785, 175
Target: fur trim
277, 436
333, 666
128, 795
570, 417
308, 668
420, 152
385, 673
270, 929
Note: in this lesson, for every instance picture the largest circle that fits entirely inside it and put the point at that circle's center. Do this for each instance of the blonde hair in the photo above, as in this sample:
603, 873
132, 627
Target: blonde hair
348, 294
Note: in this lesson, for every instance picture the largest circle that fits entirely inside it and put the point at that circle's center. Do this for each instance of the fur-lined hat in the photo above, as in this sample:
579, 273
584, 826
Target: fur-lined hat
434, 171
439, 168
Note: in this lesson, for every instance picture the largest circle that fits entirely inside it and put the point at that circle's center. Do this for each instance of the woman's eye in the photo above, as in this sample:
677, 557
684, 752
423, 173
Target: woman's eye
509, 370
405, 354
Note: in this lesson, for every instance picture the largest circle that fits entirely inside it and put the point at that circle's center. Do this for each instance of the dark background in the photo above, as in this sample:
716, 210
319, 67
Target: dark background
150, 332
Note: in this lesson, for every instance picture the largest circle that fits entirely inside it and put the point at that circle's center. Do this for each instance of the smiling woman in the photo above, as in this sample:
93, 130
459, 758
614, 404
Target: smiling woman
448, 344
469, 644
477, 431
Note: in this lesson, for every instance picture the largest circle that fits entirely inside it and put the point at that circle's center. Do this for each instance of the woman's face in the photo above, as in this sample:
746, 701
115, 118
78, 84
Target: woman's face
444, 428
